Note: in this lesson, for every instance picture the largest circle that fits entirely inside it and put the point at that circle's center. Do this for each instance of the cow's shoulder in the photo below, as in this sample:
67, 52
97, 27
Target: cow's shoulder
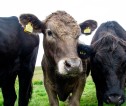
9, 25
8, 20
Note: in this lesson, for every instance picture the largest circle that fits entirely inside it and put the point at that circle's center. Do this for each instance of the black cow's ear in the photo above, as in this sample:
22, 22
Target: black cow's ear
84, 51
31, 23
87, 27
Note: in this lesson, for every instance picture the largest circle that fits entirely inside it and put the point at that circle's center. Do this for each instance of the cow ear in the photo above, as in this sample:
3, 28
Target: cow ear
87, 27
31, 23
84, 51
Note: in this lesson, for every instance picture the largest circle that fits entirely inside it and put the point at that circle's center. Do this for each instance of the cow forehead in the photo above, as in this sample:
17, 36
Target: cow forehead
109, 48
111, 57
62, 23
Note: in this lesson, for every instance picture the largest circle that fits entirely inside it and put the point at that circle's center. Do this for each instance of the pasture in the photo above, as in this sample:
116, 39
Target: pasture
39, 96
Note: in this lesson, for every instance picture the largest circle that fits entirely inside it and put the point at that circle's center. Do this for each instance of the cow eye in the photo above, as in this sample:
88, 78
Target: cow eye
49, 32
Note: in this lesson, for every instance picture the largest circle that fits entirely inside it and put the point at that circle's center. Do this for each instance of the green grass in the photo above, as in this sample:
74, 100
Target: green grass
39, 96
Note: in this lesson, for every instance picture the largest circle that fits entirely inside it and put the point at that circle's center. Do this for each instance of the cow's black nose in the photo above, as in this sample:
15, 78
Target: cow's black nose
72, 64
115, 99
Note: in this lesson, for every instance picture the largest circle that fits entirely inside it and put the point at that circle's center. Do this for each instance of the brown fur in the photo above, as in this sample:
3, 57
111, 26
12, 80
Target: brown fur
63, 24
66, 31
64, 76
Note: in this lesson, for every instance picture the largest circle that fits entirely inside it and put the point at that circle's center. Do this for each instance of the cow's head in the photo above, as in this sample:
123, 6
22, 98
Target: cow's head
108, 67
108, 62
61, 33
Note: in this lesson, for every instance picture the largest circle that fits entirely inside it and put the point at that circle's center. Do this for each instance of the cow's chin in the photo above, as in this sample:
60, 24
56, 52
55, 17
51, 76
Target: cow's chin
63, 71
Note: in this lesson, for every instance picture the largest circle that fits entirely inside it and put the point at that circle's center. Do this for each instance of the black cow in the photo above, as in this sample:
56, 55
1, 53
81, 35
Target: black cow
18, 51
62, 68
108, 63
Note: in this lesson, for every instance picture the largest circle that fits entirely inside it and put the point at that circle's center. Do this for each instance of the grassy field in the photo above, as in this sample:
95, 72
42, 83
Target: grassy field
39, 96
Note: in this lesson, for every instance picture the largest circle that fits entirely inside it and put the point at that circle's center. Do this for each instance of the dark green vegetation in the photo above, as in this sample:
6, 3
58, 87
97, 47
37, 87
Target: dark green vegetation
39, 96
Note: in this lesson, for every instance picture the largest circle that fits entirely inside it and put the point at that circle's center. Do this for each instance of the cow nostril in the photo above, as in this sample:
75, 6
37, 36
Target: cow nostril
108, 101
67, 64
120, 101
72, 64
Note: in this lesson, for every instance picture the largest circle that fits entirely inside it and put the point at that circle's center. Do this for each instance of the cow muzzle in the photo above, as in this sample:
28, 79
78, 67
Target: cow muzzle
115, 99
70, 66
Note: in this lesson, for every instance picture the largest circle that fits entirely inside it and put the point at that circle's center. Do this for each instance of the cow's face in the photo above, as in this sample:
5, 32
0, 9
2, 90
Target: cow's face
61, 36
61, 33
109, 66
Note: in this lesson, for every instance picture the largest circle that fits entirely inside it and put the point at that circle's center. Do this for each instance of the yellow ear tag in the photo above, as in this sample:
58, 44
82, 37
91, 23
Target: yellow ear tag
28, 28
82, 53
87, 30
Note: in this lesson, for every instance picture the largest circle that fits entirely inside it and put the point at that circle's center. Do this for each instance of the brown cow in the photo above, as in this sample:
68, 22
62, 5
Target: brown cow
62, 68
